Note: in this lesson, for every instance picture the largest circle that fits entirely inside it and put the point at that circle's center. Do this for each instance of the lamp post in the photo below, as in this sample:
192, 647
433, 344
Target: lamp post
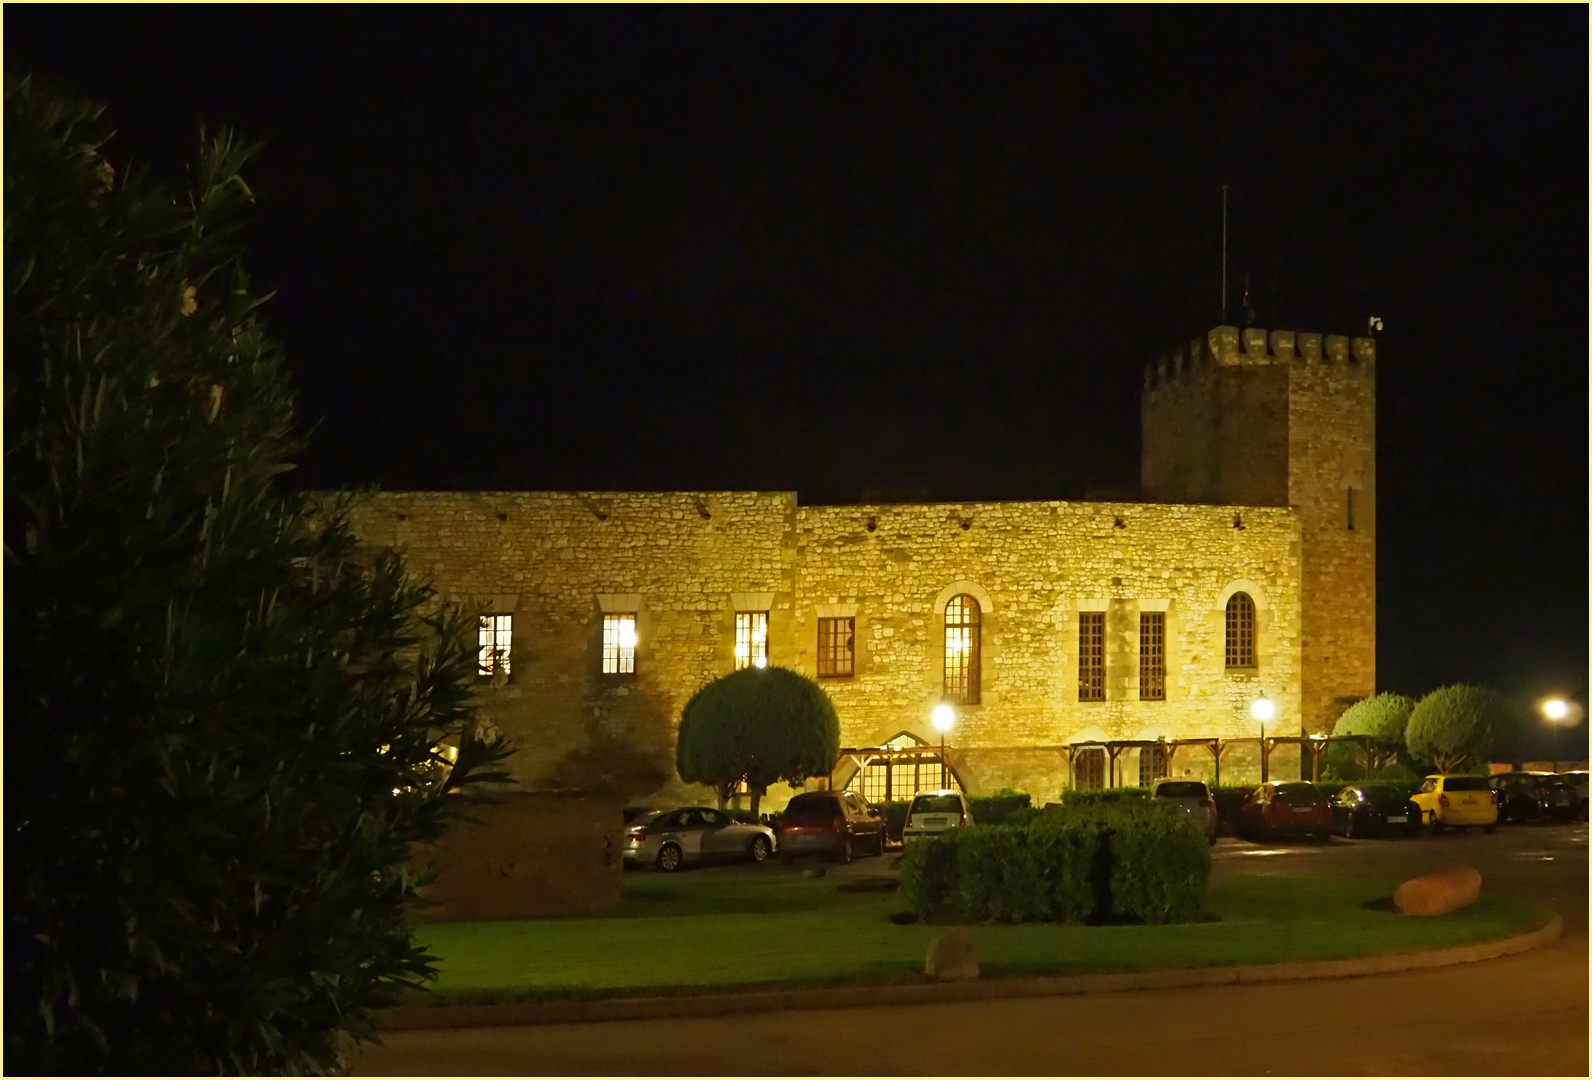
1262, 709
1556, 711
943, 716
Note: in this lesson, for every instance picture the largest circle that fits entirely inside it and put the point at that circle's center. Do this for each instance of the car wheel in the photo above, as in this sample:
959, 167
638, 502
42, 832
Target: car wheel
1489, 828
670, 857
1211, 837
1435, 825
1348, 829
881, 843
759, 849
843, 857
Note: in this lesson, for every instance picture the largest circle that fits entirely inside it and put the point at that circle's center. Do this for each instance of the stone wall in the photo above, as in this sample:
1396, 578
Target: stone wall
686, 562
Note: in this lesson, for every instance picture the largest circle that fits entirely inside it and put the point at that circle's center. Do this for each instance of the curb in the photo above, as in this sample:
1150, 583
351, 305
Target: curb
410, 1018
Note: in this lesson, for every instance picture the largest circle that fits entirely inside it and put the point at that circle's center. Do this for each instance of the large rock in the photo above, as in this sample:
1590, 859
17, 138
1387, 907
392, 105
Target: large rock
952, 956
1439, 893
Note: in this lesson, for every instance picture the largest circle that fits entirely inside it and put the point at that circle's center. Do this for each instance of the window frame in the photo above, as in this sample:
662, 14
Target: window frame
960, 674
494, 640
1093, 754
1241, 619
1091, 656
754, 644
1152, 656
830, 655
616, 651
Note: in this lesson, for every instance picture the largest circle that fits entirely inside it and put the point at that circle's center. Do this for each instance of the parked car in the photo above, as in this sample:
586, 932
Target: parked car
1374, 810
634, 812
1454, 800
934, 812
1576, 778
1191, 798
1286, 808
671, 838
832, 823
1533, 796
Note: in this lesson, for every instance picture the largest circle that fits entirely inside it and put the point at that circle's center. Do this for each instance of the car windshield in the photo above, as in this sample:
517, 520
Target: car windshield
936, 804
1465, 783
804, 808
1181, 789
1297, 789
1379, 795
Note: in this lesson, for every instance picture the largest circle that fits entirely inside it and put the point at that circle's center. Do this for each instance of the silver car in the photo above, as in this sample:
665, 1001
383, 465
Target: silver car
1192, 798
934, 812
671, 838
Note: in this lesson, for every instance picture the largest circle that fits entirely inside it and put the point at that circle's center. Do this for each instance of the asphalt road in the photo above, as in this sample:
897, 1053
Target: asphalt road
1521, 1015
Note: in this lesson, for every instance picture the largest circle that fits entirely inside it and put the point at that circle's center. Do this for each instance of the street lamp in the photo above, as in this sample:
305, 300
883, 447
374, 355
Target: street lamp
1262, 709
1556, 711
943, 717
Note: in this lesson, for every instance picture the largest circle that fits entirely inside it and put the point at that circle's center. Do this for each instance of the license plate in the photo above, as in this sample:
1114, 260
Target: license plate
931, 821
1301, 809
1397, 819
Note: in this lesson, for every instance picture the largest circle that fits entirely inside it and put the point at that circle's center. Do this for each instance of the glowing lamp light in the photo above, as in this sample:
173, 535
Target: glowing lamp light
944, 717
627, 635
761, 661
1263, 709
1555, 709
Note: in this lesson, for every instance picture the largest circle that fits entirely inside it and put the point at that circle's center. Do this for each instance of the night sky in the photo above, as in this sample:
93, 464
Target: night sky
911, 253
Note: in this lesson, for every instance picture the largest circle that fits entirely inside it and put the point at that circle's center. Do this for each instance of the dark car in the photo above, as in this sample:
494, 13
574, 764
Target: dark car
1374, 810
1532, 796
836, 824
1285, 808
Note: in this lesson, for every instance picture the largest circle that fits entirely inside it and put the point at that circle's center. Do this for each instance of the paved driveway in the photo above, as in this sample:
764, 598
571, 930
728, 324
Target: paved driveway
1523, 1015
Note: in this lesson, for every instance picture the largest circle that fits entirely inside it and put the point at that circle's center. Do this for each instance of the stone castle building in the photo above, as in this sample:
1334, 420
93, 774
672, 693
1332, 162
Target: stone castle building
1247, 571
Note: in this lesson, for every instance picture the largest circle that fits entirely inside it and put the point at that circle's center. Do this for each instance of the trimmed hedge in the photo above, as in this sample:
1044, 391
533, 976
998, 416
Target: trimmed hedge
1131, 860
1096, 796
1005, 807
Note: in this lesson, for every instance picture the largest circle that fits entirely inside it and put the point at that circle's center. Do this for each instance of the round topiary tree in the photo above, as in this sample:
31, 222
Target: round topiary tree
763, 724
1383, 718
1456, 725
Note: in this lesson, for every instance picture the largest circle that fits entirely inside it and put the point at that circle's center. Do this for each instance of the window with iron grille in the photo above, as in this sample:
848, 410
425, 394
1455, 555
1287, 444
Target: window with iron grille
1089, 769
1240, 631
1091, 656
751, 639
961, 650
1152, 764
836, 638
619, 644
1152, 656
494, 641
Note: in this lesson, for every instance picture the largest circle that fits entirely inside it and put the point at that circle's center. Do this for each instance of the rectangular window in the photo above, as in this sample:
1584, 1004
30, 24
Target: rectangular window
1091, 656
619, 644
1152, 656
1089, 767
1152, 764
494, 640
836, 638
751, 639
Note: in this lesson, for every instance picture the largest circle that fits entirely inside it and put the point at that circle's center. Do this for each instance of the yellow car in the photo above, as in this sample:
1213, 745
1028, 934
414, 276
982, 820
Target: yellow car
1452, 800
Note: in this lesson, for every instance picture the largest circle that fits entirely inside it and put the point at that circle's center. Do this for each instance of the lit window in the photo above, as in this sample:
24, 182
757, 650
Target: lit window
1152, 656
751, 639
1091, 656
494, 640
961, 650
619, 644
1152, 764
1240, 631
836, 638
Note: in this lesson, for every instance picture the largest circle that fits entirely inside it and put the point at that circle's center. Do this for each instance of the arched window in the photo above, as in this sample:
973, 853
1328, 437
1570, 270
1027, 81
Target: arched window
961, 650
1089, 769
1240, 631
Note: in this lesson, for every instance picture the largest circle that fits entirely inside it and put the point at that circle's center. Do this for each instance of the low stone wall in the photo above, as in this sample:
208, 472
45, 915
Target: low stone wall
533, 854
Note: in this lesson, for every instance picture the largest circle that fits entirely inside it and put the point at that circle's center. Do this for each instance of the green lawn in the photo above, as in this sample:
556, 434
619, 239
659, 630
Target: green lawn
772, 926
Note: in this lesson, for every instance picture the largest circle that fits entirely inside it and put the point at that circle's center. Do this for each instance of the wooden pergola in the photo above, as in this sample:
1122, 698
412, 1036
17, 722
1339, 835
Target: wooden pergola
893, 758
1316, 744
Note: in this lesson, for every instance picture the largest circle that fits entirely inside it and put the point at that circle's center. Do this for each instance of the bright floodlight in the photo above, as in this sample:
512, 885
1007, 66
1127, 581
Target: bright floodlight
1555, 709
944, 717
1263, 709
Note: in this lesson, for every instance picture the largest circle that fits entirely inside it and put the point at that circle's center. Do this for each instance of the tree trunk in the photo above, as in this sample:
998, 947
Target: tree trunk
723, 792
757, 797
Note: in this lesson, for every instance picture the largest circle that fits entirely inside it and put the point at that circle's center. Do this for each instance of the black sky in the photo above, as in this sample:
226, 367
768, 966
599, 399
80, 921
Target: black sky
911, 253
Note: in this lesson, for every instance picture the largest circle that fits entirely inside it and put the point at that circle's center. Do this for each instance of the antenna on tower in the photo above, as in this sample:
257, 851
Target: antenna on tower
1224, 256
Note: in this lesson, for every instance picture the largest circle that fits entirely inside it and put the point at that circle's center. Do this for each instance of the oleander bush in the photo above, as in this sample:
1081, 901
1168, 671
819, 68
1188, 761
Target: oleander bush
1127, 861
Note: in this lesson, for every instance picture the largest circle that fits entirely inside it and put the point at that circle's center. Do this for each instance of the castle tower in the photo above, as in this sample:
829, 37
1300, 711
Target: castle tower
1229, 420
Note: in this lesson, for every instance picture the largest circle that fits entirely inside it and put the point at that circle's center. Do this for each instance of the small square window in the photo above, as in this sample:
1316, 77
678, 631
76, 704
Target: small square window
495, 641
619, 644
836, 647
751, 639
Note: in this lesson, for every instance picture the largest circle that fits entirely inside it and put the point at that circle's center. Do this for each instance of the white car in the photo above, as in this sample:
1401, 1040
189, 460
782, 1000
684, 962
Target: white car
1192, 798
934, 812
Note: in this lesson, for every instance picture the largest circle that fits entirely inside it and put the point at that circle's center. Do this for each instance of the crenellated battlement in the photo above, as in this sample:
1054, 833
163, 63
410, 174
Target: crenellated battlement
1228, 346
